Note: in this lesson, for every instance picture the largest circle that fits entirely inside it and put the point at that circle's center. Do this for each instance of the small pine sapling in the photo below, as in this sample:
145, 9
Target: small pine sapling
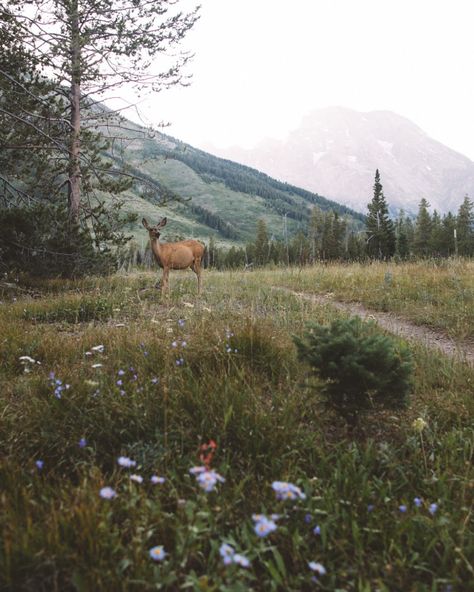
363, 369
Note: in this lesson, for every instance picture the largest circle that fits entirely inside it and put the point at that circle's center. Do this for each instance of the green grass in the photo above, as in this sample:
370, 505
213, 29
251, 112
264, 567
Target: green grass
255, 402
439, 294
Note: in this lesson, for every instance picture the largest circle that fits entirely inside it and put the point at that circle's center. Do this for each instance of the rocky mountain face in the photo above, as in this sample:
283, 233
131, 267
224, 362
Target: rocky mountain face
336, 151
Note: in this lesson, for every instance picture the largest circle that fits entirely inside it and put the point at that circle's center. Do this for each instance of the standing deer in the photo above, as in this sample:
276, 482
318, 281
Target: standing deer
180, 255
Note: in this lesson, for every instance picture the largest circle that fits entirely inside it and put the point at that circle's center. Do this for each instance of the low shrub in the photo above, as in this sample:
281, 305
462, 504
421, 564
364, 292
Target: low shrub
363, 369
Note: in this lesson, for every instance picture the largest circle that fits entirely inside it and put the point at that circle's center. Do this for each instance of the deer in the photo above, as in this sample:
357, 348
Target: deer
179, 255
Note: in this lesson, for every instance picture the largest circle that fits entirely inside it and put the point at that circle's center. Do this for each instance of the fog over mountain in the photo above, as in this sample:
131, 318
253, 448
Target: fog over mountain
335, 152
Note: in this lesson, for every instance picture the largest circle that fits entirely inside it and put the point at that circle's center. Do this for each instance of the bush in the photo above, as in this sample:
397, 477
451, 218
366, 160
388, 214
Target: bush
363, 369
43, 241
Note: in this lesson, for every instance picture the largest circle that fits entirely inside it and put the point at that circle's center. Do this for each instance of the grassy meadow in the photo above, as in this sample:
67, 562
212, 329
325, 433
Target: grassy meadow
98, 369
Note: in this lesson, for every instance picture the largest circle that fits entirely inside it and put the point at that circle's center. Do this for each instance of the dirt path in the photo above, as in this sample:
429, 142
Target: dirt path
395, 324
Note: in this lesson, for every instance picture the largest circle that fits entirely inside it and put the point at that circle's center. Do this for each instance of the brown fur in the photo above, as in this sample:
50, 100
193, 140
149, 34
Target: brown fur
179, 255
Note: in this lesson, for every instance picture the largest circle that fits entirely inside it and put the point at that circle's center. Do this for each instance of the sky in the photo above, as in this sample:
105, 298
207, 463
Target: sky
260, 66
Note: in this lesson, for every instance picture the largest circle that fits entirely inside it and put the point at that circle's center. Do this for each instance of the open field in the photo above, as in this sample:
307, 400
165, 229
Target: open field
174, 374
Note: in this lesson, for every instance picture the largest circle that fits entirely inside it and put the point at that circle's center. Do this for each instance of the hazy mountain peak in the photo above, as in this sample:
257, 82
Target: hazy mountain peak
336, 150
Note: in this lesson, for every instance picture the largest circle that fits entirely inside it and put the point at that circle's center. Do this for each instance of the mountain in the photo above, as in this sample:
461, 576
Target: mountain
217, 197
335, 152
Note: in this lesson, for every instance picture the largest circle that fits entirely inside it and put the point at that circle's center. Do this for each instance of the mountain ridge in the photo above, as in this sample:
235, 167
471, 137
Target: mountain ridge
335, 151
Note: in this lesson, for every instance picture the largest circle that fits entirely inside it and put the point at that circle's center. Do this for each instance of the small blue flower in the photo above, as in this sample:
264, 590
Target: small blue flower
126, 462
227, 553
119, 382
402, 508
82, 443
317, 567
121, 372
181, 322
317, 530
107, 493
285, 490
417, 501
370, 508
39, 464
208, 480
155, 380
308, 518
264, 526
157, 480
157, 553
241, 560
433, 509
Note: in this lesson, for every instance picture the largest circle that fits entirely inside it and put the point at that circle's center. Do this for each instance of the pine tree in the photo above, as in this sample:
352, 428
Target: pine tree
465, 228
436, 237
261, 244
379, 227
423, 226
88, 49
401, 232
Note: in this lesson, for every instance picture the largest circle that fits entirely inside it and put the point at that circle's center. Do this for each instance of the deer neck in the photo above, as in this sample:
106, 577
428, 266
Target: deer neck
157, 249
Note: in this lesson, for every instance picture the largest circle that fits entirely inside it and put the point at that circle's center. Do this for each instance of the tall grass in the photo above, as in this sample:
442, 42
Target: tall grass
175, 374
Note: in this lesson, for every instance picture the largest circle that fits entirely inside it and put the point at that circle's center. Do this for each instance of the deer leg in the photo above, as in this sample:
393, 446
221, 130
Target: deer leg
165, 280
197, 270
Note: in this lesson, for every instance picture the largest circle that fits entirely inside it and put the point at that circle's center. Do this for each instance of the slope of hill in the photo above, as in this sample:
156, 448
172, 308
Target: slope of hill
219, 197
335, 151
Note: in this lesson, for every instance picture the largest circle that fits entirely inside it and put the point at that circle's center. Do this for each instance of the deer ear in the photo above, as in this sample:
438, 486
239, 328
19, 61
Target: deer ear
163, 222
145, 223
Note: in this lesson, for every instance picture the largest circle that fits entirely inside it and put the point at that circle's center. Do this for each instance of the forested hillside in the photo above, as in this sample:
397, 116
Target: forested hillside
208, 195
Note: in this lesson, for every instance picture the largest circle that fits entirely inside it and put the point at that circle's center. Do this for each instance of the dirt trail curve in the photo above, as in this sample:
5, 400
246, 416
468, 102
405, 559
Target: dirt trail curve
463, 351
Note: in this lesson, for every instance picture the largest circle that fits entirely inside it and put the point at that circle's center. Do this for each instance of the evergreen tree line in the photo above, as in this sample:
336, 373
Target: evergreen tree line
329, 237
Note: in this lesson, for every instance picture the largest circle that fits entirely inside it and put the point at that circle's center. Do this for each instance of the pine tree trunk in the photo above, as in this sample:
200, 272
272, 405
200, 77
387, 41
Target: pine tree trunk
74, 195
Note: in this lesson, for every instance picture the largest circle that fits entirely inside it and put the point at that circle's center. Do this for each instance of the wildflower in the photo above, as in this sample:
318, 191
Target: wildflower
370, 507
119, 382
402, 508
136, 478
264, 526
157, 553
126, 462
308, 518
155, 380
285, 490
155, 480
208, 479
122, 392
107, 493
196, 470
227, 553
174, 344
241, 560
39, 464
317, 530
98, 348
82, 443
417, 501
317, 567
181, 322
433, 509
419, 424
180, 362
184, 344
121, 372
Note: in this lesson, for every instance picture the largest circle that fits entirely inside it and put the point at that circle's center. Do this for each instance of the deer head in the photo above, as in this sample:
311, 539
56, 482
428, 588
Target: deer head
154, 231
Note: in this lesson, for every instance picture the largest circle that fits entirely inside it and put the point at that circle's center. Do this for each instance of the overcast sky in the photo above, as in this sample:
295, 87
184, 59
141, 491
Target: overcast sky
261, 65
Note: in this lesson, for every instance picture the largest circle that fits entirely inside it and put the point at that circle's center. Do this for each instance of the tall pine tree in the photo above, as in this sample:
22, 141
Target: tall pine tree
379, 227
423, 227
